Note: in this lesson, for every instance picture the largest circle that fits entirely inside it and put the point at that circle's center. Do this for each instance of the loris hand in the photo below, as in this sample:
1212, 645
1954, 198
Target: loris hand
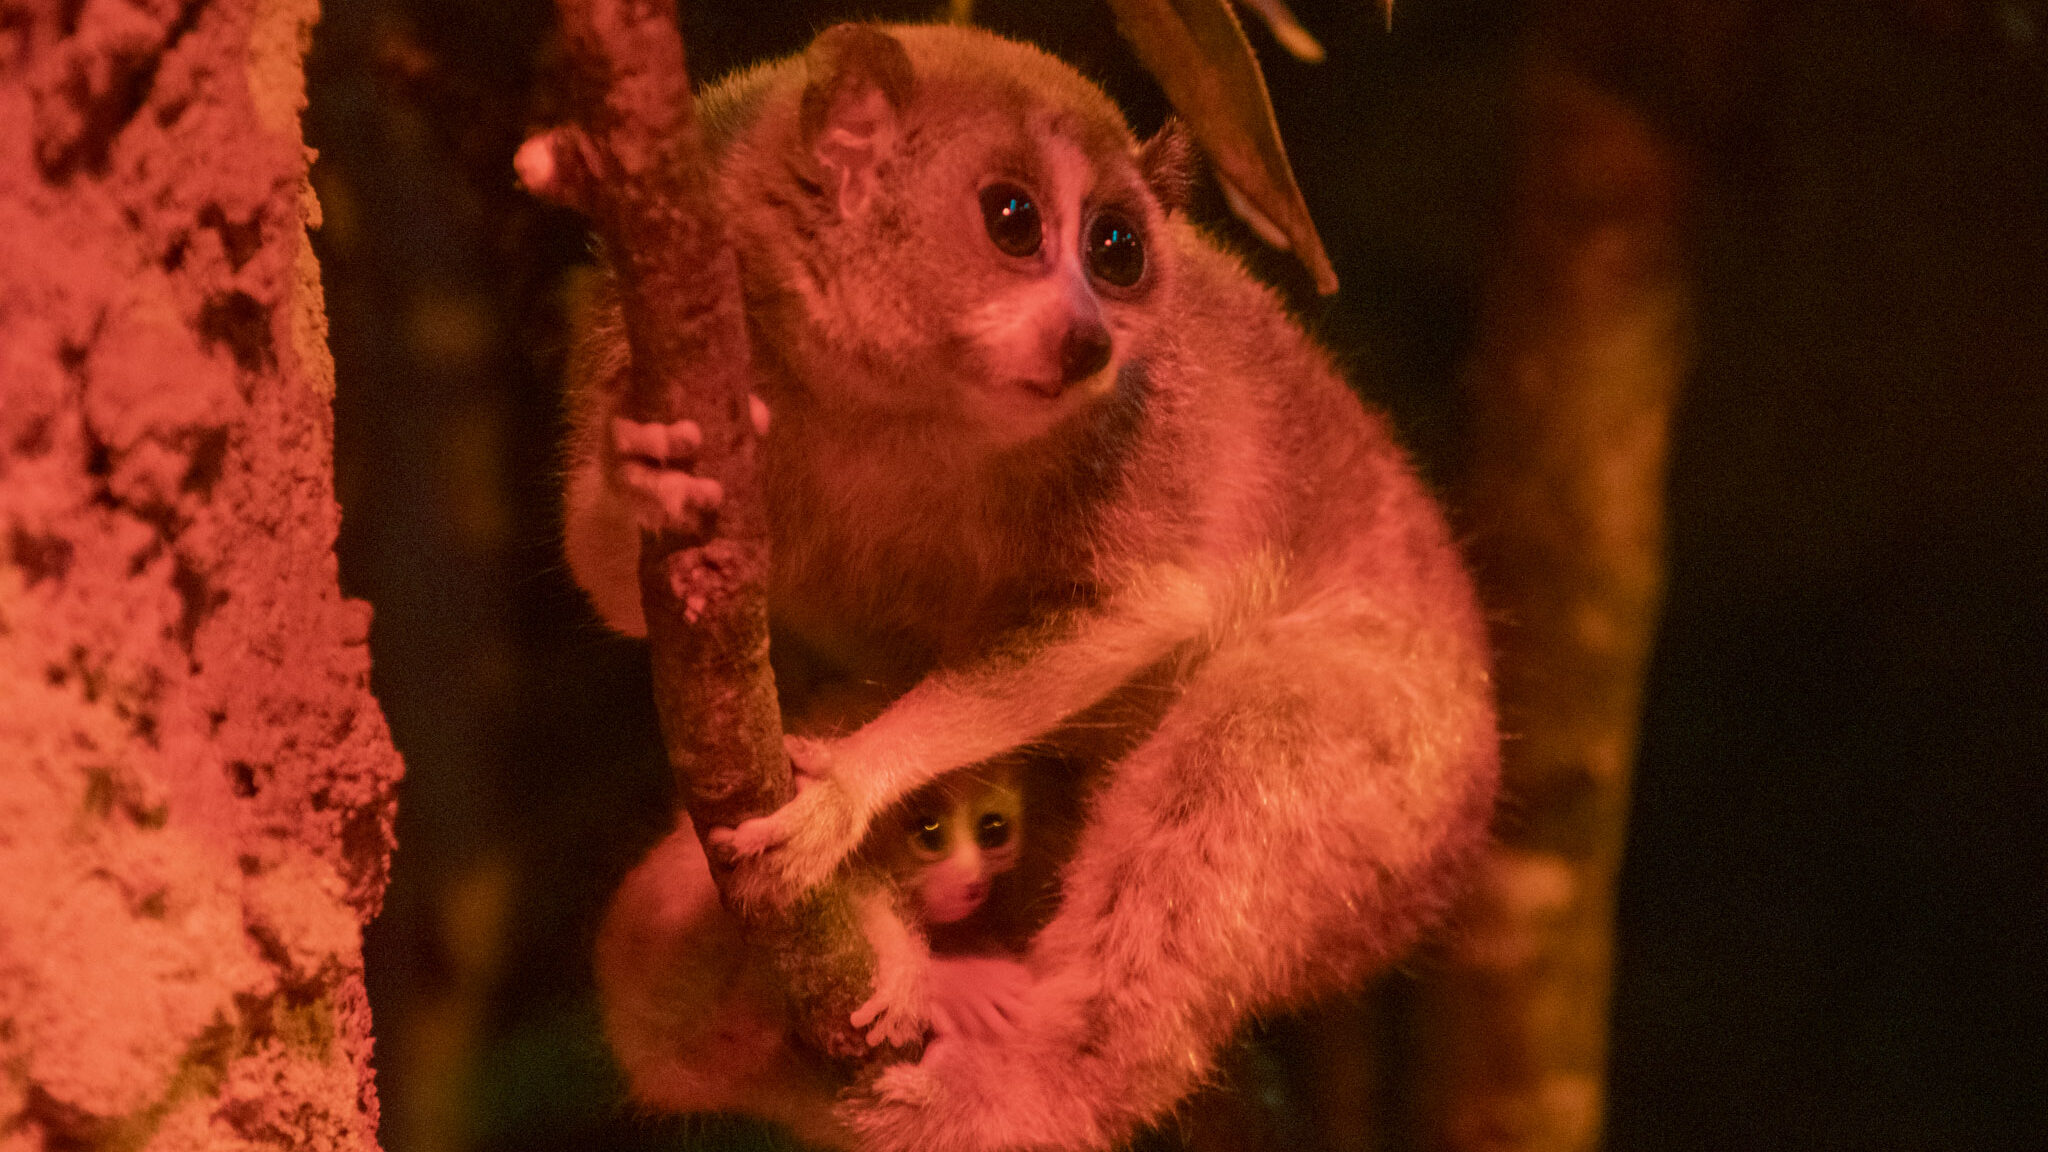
894, 1013
803, 842
977, 996
651, 465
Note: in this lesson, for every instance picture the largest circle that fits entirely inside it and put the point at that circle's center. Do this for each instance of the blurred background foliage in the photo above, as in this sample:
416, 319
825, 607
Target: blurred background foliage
1834, 912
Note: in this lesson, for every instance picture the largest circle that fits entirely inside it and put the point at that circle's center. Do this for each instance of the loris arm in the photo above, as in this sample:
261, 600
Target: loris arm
1021, 692
956, 718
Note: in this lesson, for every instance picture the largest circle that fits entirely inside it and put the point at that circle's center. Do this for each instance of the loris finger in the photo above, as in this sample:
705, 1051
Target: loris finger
668, 497
673, 444
750, 838
653, 463
994, 1022
879, 1026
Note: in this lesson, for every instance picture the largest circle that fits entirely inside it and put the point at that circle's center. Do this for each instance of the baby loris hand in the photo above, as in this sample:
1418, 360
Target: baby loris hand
977, 997
894, 1014
980, 997
803, 842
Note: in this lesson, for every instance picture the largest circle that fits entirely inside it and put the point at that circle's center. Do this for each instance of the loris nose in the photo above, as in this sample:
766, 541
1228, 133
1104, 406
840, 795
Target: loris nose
1083, 352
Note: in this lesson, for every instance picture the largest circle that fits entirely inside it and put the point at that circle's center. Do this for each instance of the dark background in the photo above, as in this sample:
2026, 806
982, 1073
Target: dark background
1834, 914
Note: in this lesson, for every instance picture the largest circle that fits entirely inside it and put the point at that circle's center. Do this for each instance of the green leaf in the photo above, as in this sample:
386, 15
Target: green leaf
1287, 30
1197, 51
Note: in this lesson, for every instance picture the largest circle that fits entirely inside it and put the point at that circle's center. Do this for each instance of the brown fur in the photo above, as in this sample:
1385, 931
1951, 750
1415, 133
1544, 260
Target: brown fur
1202, 584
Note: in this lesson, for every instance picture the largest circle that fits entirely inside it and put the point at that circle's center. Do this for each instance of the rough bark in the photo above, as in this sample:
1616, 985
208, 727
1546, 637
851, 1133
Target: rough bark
636, 168
195, 784
1587, 334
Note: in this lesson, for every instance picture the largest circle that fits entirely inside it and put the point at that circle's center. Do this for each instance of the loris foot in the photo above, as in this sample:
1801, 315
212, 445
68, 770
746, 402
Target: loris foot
906, 1085
976, 1096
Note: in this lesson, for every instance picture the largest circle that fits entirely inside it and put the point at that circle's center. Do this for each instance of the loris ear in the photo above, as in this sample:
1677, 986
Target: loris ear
1167, 161
859, 84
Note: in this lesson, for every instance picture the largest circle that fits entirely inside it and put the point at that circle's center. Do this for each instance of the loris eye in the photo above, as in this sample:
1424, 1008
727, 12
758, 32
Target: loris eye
1114, 251
1012, 219
928, 837
993, 831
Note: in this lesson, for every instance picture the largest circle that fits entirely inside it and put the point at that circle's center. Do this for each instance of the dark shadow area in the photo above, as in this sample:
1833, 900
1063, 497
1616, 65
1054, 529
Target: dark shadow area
1833, 924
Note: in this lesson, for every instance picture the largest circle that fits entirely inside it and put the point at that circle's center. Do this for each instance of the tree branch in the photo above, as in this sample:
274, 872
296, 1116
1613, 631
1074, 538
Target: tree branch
636, 167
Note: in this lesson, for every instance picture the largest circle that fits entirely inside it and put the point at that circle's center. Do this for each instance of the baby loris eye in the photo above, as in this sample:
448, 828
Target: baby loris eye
993, 831
1012, 219
1115, 253
928, 837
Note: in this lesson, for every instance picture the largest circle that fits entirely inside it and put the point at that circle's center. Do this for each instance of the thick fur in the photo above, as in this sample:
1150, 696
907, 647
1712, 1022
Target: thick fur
1212, 526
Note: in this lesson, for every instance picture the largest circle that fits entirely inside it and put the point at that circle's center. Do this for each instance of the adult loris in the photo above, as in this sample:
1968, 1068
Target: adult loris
1037, 445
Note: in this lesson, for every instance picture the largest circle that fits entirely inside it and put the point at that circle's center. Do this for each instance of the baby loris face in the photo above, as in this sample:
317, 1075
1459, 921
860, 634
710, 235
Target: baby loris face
955, 842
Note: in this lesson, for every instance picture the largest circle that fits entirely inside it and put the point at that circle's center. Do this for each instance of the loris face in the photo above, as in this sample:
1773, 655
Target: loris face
1065, 274
999, 241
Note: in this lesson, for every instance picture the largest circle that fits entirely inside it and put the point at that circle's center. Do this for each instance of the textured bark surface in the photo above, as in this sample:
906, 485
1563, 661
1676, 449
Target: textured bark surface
637, 169
195, 784
1586, 337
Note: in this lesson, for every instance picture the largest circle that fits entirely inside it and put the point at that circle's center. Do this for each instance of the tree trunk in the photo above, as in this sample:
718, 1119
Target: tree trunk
1587, 334
195, 783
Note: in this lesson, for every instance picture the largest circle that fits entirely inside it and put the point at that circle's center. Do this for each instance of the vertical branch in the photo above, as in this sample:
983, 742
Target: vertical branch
646, 190
637, 168
1586, 338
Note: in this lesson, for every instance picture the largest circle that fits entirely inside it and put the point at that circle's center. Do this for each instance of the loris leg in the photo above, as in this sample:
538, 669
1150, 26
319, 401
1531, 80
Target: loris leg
695, 1016
1296, 817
